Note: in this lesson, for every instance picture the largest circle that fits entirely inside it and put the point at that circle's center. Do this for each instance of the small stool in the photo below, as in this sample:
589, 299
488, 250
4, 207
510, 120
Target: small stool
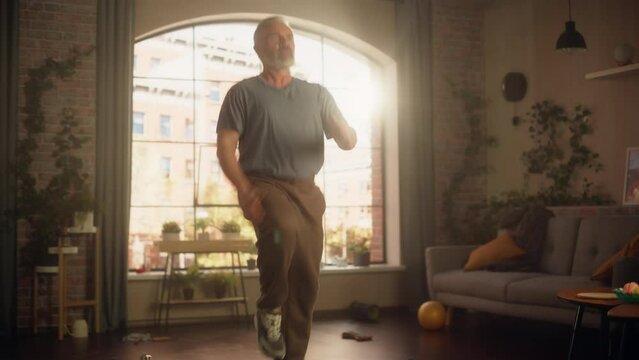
626, 313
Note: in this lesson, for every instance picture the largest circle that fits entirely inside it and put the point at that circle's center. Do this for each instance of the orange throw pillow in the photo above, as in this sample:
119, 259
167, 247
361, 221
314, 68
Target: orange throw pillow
503, 247
604, 271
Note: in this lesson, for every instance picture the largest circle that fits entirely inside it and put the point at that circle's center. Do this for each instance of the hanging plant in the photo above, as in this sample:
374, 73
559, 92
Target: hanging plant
49, 209
562, 161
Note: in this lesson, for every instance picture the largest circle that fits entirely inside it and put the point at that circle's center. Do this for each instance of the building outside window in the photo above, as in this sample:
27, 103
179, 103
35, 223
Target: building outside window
138, 123
188, 129
165, 126
195, 67
188, 169
165, 167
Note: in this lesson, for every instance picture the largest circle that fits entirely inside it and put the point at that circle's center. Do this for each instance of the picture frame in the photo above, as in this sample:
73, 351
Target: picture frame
631, 179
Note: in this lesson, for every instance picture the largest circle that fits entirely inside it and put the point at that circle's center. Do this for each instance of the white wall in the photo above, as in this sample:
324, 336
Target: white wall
520, 36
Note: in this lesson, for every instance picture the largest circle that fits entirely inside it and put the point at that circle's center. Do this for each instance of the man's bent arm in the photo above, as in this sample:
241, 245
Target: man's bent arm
344, 135
248, 198
227, 140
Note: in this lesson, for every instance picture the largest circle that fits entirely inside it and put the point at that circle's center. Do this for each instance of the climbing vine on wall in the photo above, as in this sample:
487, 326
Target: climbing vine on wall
49, 208
472, 165
558, 156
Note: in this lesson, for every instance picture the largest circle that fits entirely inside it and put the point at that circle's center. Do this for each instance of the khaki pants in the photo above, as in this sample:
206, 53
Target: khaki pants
289, 253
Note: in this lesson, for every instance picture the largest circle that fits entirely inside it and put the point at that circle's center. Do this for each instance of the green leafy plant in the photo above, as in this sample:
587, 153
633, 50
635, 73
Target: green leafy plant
188, 278
202, 223
359, 246
48, 209
217, 283
230, 226
171, 227
561, 160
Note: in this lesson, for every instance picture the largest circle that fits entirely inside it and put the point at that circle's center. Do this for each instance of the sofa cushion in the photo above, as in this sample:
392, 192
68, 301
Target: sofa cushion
599, 238
542, 290
484, 284
604, 271
502, 247
559, 247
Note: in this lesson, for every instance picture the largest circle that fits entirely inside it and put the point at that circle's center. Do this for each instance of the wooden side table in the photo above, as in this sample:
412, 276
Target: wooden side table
602, 305
59, 270
626, 313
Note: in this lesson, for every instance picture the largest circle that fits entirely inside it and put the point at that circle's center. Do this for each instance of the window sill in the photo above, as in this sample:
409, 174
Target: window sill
326, 270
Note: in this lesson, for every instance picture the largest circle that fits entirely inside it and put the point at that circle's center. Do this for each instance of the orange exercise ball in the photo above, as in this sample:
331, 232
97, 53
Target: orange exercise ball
431, 315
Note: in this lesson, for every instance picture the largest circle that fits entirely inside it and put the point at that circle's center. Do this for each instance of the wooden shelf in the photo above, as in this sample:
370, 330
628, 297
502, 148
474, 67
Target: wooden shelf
626, 70
204, 246
208, 301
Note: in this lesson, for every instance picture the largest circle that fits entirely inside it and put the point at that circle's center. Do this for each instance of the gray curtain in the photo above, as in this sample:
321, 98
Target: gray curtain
8, 134
417, 200
113, 152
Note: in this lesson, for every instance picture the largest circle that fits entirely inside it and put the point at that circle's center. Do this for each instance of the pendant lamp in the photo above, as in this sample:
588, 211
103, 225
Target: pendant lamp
570, 40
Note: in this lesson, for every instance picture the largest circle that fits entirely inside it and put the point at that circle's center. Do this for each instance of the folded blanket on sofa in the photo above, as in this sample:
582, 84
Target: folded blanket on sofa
528, 227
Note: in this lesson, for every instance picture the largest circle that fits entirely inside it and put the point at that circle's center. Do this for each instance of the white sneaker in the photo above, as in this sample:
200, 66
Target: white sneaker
269, 334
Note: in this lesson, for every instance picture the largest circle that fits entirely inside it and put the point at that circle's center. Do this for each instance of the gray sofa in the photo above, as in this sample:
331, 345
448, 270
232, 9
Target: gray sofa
575, 246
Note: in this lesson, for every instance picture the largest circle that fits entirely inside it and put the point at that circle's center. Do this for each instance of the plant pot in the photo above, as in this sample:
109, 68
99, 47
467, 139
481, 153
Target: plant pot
251, 264
188, 293
361, 259
203, 236
230, 236
220, 290
83, 221
170, 236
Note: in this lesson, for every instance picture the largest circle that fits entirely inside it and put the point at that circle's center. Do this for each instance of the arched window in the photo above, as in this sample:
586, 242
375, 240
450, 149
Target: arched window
180, 80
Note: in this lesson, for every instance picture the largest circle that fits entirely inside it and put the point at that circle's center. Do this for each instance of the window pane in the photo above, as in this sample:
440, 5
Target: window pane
166, 56
138, 124
344, 225
225, 52
165, 126
344, 68
146, 227
160, 101
308, 57
207, 109
149, 183
213, 187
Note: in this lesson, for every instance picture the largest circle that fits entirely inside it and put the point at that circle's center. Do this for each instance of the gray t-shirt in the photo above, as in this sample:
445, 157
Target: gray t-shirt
281, 130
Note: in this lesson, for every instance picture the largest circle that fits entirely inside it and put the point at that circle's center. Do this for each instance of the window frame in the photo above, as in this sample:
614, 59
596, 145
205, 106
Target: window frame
389, 146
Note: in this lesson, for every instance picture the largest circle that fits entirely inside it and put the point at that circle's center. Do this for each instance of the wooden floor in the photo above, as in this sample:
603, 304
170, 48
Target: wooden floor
396, 336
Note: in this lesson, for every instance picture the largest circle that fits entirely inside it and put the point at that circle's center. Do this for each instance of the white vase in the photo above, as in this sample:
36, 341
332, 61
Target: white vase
172, 236
230, 236
83, 221
624, 54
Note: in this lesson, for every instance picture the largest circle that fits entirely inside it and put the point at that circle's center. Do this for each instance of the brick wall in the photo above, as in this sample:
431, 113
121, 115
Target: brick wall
52, 28
457, 57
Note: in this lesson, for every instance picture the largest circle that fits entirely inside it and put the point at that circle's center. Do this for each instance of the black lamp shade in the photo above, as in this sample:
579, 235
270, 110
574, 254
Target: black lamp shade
570, 40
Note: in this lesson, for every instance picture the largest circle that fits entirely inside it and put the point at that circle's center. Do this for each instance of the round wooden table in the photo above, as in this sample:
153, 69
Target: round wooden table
626, 313
602, 305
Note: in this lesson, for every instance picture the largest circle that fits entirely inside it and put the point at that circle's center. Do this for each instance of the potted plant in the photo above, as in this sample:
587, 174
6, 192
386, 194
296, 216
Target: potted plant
186, 281
171, 231
360, 252
251, 262
230, 229
201, 225
216, 284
